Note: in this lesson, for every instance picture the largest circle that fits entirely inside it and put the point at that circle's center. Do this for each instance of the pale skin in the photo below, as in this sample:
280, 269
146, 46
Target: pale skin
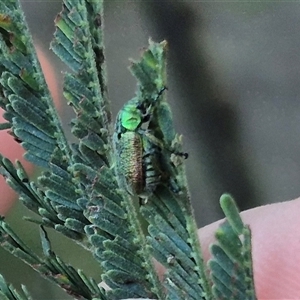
276, 248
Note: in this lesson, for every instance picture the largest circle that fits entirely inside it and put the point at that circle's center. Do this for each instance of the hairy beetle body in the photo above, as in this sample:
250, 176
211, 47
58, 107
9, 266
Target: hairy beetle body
141, 152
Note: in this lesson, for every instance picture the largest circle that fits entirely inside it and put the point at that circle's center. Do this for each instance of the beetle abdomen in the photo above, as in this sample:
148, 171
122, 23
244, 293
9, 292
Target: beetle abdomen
130, 161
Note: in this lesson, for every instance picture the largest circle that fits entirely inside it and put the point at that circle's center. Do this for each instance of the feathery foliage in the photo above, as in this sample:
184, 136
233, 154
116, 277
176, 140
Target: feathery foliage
102, 189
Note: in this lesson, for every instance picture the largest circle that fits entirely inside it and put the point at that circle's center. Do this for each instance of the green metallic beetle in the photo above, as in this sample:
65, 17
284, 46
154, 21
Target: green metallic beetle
139, 159
135, 161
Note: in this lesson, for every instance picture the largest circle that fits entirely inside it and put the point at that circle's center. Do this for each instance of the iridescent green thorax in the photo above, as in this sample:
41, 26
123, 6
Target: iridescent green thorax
130, 116
134, 113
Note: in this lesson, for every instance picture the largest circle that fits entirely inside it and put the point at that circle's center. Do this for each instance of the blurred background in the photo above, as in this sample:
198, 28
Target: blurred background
234, 88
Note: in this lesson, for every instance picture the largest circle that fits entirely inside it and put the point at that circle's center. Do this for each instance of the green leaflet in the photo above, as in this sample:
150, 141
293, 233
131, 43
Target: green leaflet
60, 273
111, 237
166, 211
231, 265
86, 90
34, 122
25, 93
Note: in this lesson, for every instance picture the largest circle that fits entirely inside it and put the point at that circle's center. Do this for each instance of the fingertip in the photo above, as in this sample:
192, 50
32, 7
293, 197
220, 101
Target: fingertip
275, 248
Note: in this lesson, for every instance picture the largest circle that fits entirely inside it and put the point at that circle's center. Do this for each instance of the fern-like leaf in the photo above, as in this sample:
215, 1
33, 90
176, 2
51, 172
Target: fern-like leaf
172, 229
78, 42
112, 237
50, 266
231, 266
24, 93
34, 122
81, 193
